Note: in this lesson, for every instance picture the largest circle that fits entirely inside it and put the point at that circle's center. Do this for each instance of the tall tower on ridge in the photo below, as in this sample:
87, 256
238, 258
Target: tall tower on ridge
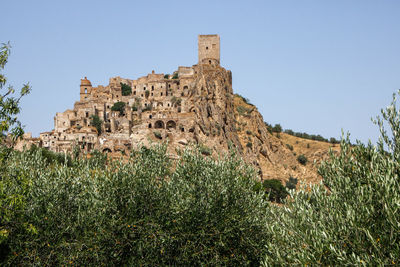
208, 46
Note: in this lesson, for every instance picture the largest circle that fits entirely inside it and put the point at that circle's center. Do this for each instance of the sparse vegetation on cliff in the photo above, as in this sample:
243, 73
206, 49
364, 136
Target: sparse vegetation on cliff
126, 89
119, 106
96, 122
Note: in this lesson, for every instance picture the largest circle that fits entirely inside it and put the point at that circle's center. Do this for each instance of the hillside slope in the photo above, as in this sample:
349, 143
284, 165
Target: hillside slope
276, 154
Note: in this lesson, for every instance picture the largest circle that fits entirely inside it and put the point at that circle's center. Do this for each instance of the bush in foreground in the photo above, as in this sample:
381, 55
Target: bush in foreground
353, 218
145, 212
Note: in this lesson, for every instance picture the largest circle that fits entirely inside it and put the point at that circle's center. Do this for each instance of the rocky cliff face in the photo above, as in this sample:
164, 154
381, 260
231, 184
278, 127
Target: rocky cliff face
223, 119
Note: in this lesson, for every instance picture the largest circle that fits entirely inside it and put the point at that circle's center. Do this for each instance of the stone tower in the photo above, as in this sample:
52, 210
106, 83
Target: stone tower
208, 46
86, 88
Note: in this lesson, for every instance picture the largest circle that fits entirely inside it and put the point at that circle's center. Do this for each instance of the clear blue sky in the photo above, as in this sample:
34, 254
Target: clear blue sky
313, 66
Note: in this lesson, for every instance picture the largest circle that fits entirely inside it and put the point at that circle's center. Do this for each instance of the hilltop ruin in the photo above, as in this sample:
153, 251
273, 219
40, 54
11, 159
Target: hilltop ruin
193, 105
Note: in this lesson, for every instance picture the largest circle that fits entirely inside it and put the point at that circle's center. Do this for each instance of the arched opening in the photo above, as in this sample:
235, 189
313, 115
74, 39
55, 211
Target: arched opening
209, 61
150, 116
185, 87
179, 110
107, 150
182, 94
149, 125
159, 125
134, 92
85, 90
159, 104
152, 88
182, 130
161, 93
171, 125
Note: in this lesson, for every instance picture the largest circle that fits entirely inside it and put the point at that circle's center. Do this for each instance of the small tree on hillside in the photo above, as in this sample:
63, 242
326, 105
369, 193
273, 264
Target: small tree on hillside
277, 128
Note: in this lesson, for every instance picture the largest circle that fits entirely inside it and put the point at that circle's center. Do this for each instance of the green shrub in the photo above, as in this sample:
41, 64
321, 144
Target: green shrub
126, 89
277, 128
249, 132
290, 147
249, 145
352, 218
333, 140
119, 106
205, 150
302, 159
291, 183
96, 122
166, 76
275, 190
175, 76
143, 212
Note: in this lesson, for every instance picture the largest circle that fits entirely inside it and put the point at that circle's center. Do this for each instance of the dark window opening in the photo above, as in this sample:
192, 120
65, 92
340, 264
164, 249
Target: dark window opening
152, 88
159, 125
149, 125
206, 47
150, 116
161, 93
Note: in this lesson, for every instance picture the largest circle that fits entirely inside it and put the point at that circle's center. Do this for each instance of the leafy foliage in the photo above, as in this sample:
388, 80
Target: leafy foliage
119, 106
302, 159
138, 213
96, 122
126, 89
9, 103
277, 128
291, 183
275, 190
356, 221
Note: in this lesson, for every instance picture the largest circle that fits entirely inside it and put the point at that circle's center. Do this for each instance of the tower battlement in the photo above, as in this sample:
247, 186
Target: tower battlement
209, 49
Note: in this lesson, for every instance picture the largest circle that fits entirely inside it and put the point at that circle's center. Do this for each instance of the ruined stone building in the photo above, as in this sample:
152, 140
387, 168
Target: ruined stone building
159, 106
194, 105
